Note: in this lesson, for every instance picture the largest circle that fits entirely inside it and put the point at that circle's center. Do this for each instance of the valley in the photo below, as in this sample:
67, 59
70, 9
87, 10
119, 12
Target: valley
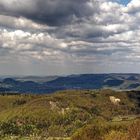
50, 84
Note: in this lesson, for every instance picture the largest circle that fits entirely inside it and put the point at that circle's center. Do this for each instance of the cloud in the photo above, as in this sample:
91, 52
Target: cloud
46, 34
20, 23
55, 12
133, 6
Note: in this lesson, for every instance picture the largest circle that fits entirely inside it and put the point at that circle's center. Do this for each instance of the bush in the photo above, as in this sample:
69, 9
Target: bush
14, 128
90, 132
116, 135
9, 128
134, 130
56, 131
19, 102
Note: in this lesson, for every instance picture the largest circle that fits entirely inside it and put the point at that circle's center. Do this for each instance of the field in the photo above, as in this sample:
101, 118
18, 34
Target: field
75, 115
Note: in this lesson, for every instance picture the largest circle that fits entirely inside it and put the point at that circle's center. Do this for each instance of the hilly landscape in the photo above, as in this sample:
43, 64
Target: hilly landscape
50, 84
69, 69
71, 115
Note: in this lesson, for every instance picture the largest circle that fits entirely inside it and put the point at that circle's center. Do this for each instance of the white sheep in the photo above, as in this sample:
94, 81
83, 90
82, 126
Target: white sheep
114, 100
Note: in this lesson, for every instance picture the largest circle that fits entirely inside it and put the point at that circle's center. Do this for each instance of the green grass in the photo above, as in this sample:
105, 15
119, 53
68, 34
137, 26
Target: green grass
64, 113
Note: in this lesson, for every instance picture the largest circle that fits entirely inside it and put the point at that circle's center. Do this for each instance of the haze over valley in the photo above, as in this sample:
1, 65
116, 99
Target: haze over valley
69, 69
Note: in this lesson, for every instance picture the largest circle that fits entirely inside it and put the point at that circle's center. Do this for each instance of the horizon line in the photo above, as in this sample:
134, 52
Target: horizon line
47, 75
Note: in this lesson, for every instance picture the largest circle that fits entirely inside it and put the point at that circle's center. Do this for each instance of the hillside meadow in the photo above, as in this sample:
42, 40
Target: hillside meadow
71, 115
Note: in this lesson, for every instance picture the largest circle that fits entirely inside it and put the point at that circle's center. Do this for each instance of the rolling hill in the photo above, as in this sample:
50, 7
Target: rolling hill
66, 113
50, 84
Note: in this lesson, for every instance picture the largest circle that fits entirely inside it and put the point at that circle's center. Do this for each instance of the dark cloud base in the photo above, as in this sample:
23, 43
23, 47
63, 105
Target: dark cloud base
69, 36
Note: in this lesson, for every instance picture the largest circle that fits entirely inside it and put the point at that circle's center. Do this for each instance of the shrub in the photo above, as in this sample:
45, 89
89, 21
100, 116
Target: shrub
91, 132
116, 135
134, 130
19, 102
8, 128
13, 128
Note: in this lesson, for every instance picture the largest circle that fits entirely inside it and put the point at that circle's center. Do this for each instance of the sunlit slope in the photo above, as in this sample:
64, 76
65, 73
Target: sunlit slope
62, 114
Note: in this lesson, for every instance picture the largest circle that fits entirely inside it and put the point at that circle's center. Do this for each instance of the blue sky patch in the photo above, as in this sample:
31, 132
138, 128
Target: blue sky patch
124, 2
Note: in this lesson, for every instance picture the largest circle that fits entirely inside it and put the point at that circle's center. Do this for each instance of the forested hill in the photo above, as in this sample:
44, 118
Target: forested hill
49, 84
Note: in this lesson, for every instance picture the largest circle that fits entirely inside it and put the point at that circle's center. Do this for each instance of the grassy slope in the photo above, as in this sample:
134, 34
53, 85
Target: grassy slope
63, 113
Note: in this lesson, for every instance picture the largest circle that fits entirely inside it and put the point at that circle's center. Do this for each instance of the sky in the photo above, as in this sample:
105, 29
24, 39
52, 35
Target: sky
124, 2
58, 37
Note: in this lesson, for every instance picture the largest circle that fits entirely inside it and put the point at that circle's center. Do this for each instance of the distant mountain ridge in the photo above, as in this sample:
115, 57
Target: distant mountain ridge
49, 84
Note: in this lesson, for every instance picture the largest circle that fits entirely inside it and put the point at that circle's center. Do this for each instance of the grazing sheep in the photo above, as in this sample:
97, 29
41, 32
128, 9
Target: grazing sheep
114, 100
53, 105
